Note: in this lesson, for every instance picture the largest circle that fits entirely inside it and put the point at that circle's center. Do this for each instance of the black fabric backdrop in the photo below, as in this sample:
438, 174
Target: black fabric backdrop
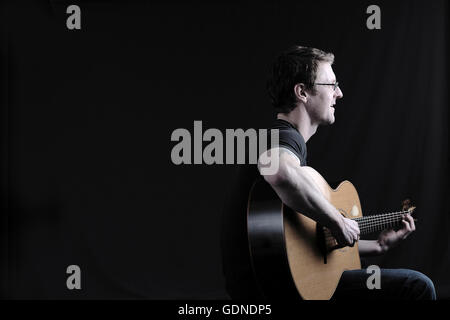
87, 117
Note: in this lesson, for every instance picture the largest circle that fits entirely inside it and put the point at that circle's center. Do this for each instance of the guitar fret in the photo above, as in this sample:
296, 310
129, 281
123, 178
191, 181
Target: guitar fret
369, 224
374, 223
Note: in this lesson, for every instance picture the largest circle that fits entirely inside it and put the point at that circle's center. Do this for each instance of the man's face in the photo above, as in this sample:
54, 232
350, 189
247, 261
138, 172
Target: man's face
320, 105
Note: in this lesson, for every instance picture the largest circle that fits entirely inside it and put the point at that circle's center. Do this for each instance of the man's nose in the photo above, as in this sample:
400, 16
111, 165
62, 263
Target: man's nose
339, 93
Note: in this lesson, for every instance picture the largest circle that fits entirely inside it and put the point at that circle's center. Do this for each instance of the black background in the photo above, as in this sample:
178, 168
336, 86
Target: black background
87, 117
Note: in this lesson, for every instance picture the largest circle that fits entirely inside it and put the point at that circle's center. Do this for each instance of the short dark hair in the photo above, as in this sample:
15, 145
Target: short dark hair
296, 65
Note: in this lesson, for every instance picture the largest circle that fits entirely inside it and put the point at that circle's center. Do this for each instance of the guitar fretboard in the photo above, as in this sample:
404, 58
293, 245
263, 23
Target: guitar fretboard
369, 224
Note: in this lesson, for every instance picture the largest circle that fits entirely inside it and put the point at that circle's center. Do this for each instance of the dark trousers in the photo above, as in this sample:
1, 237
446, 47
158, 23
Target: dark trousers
400, 284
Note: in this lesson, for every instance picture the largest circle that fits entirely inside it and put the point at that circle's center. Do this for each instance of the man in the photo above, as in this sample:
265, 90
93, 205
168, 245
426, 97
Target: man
304, 90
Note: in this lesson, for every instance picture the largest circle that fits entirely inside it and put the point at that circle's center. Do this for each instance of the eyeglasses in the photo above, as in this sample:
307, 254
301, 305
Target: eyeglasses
335, 85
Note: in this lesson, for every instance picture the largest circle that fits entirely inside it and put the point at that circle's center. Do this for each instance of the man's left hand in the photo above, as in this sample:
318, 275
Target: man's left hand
391, 238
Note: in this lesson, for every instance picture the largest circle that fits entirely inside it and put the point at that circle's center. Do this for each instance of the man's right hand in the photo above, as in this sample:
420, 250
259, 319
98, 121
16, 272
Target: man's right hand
346, 232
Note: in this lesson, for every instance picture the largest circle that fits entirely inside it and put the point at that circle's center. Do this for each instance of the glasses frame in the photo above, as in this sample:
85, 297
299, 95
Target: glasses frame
335, 85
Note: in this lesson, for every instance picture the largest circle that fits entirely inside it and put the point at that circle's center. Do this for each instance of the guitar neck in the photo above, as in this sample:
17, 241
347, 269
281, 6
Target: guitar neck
379, 222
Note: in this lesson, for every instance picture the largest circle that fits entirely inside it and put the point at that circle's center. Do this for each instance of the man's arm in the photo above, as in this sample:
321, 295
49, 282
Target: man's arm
387, 239
297, 189
369, 248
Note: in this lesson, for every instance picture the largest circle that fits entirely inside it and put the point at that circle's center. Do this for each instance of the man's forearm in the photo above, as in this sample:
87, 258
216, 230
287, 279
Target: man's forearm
369, 248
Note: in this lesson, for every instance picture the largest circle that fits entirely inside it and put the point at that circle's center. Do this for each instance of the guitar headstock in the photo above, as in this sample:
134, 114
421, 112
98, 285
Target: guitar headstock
407, 206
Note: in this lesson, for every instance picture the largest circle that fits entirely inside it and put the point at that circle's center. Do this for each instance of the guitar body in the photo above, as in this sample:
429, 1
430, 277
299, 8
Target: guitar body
290, 255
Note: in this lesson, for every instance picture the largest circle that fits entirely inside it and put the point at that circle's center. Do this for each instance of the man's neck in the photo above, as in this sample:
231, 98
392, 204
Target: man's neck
300, 120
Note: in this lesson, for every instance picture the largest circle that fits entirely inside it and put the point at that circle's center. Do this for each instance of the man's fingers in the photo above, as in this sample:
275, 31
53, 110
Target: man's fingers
354, 227
411, 222
350, 233
406, 225
405, 231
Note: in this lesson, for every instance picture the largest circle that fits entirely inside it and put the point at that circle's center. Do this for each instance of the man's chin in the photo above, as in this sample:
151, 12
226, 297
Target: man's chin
328, 121
331, 119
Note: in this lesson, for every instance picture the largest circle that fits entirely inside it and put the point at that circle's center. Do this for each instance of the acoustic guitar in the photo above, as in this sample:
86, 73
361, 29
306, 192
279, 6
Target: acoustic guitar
293, 256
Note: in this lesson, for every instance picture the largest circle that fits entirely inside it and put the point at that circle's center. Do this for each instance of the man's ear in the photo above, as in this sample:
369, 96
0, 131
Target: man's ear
300, 92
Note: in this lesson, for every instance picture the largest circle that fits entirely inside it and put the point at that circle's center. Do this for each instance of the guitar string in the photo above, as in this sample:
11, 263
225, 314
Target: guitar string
370, 220
395, 212
376, 226
375, 223
380, 223
384, 220
367, 229
381, 215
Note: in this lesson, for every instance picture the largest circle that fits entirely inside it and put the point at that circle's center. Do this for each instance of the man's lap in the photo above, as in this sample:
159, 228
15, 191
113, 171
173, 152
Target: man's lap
394, 284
